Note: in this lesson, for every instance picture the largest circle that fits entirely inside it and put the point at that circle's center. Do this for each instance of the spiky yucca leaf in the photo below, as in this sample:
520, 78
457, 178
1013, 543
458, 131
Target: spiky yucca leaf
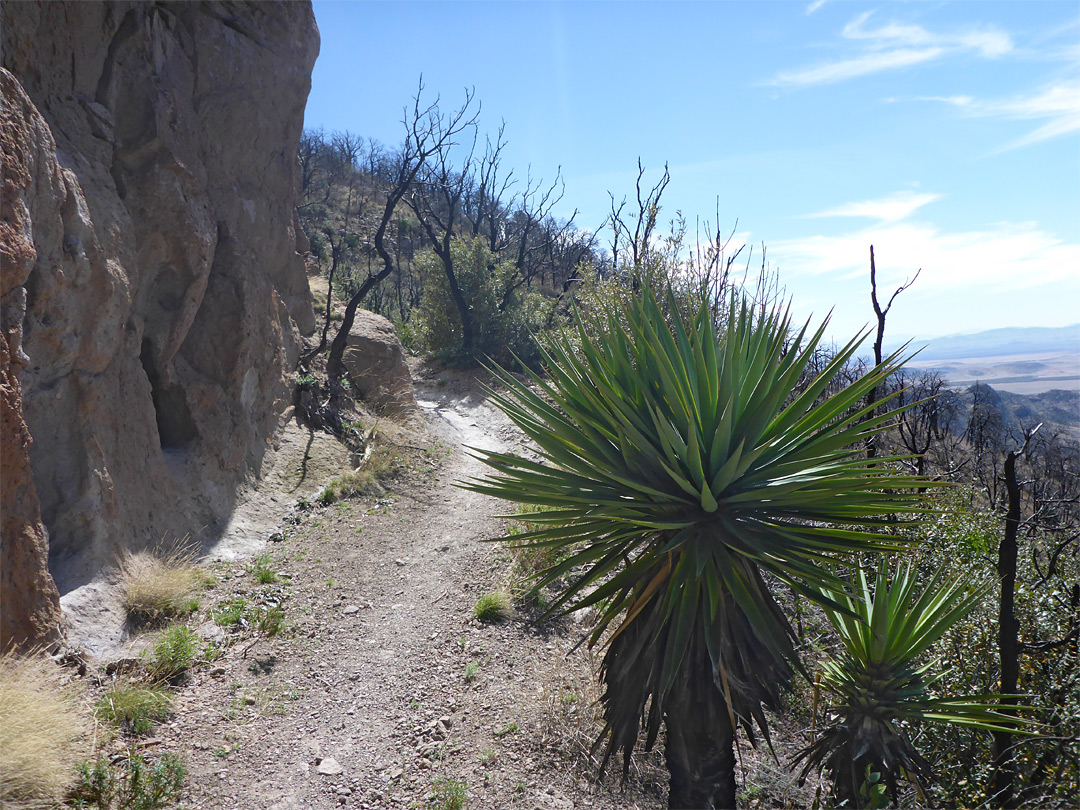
683, 457
883, 680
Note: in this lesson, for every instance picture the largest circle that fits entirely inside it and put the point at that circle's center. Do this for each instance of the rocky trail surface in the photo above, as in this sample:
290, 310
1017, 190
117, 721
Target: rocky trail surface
385, 690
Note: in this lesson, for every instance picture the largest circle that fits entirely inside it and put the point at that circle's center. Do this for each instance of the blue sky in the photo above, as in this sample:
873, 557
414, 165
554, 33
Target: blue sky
945, 134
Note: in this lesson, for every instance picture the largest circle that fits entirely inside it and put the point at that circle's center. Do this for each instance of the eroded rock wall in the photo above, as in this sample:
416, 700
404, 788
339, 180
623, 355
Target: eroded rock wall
154, 302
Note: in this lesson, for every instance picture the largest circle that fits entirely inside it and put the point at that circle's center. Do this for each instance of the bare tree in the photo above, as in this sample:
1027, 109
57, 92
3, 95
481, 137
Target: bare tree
643, 220
879, 336
428, 132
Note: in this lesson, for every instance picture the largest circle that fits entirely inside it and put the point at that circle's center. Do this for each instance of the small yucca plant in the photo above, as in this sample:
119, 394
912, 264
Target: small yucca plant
883, 680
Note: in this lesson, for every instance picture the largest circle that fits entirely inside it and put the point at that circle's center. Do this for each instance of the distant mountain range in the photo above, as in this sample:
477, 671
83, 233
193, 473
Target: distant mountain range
1001, 342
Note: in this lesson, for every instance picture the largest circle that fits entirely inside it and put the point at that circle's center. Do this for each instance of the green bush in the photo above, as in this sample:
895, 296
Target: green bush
134, 783
173, 653
504, 316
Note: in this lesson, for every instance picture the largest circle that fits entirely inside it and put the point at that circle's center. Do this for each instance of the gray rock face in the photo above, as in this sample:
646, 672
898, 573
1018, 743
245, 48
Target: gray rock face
153, 312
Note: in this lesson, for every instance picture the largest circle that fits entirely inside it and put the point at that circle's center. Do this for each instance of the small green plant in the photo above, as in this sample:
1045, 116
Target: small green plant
134, 707
326, 497
96, 786
231, 613
471, 669
134, 783
330, 583
448, 794
270, 620
493, 607
173, 653
487, 757
872, 791
304, 382
507, 730
152, 785
263, 571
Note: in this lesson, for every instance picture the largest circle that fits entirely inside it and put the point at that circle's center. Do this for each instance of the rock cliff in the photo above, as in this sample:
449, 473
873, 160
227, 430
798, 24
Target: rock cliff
152, 295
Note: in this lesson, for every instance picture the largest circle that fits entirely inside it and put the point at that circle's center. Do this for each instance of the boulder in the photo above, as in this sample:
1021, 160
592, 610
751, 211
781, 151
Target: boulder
375, 363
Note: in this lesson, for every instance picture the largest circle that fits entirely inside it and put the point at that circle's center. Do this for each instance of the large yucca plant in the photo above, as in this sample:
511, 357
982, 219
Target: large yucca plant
687, 458
882, 680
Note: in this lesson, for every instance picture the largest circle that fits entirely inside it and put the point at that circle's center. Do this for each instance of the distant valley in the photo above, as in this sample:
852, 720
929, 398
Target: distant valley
1029, 360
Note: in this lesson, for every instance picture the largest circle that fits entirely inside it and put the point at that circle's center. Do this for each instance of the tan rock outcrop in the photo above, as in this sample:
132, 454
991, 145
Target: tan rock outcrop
154, 304
29, 602
375, 363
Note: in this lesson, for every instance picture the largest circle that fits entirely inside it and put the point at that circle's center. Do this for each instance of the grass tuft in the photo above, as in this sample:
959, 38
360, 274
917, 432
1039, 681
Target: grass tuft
42, 733
158, 587
262, 568
134, 707
493, 607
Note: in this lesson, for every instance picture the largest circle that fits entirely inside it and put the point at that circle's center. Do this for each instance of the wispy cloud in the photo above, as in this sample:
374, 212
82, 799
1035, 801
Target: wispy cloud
810, 9
1007, 273
1058, 105
859, 66
893, 208
892, 46
990, 42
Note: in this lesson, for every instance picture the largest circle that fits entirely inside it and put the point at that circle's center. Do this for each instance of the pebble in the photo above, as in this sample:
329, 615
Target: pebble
329, 766
350, 609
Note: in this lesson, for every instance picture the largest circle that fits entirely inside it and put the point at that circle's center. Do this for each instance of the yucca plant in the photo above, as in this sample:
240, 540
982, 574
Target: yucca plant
882, 681
686, 458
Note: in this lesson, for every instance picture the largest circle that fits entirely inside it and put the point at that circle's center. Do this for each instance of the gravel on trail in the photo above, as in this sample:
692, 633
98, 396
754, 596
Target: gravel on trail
385, 691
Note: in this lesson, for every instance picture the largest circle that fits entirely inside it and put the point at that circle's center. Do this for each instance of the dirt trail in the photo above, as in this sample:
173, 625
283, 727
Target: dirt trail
372, 673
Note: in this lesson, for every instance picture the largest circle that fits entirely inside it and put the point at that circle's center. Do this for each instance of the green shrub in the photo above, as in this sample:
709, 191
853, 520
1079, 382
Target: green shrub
133, 783
173, 653
504, 315
448, 794
134, 707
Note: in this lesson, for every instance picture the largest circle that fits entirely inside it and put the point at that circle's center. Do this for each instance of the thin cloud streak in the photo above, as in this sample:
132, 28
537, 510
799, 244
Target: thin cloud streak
893, 46
860, 66
893, 208
1060, 103
1013, 256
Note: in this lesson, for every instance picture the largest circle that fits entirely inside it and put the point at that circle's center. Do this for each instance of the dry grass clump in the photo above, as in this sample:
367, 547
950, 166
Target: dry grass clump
157, 586
135, 707
43, 733
383, 462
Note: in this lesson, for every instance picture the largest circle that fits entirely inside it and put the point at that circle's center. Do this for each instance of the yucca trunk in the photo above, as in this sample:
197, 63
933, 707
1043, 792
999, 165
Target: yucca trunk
700, 748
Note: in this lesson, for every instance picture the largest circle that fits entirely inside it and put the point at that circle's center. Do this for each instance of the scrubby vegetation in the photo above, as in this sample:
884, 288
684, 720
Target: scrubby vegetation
471, 268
